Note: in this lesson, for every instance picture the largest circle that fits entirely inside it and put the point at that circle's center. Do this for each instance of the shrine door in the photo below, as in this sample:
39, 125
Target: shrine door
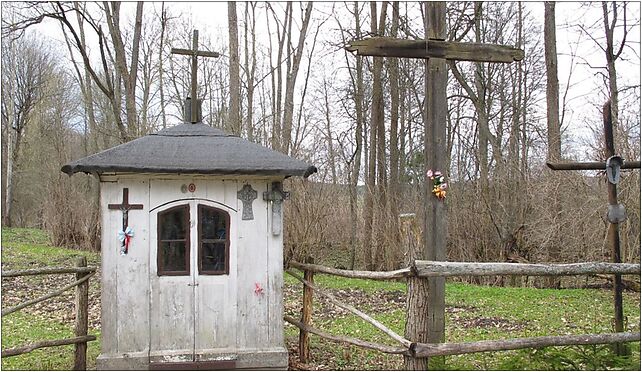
193, 268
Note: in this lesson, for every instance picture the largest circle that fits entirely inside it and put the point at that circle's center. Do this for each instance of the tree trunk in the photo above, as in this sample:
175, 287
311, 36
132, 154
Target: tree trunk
127, 75
370, 256
328, 133
161, 57
378, 120
250, 68
288, 109
234, 118
356, 168
553, 121
393, 191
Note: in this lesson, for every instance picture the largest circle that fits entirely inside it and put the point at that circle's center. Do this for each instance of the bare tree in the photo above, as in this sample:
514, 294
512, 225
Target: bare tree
26, 66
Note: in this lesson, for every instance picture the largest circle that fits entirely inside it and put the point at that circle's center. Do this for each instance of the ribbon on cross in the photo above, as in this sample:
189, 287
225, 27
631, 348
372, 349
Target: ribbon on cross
124, 237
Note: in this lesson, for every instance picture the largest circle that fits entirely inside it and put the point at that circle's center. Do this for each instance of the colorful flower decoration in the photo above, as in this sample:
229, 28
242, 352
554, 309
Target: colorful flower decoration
439, 184
125, 237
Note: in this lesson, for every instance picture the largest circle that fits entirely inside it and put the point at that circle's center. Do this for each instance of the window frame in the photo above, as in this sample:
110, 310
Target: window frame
226, 270
160, 270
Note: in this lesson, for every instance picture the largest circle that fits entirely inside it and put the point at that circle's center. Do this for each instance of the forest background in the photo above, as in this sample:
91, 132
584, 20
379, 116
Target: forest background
78, 78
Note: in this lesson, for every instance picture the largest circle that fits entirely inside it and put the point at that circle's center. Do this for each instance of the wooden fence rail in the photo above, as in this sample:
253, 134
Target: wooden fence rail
83, 273
425, 269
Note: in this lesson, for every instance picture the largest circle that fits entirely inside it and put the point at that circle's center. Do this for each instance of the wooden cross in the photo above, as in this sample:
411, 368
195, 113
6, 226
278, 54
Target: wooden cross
194, 52
125, 207
616, 212
436, 51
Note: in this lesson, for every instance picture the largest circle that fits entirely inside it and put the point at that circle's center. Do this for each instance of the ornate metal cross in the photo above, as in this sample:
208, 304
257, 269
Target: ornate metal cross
194, 52
247, 195
125, 207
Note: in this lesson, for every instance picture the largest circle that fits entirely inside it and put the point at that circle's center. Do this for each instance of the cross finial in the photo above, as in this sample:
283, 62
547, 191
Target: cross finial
194, 52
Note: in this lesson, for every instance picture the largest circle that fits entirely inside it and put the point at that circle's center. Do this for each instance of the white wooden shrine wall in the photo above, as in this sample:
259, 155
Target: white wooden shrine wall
125, 294
253, 319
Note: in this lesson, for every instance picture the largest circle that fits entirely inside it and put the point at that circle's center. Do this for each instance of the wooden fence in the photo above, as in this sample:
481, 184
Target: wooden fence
426, 269
83, 273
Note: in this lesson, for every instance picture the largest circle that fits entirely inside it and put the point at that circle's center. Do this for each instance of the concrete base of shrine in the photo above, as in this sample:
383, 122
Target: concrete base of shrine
258, 359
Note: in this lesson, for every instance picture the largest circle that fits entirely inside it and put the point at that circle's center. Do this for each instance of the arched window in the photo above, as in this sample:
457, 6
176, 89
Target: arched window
173, 241
213, 241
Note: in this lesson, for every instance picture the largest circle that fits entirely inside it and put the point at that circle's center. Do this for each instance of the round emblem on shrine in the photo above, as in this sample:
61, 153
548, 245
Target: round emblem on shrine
191, 187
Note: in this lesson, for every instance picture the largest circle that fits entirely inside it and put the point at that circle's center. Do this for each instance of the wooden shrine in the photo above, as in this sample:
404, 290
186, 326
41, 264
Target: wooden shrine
192, 248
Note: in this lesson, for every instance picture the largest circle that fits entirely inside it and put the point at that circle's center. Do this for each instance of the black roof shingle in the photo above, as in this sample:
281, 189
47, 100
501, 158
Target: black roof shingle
191, 149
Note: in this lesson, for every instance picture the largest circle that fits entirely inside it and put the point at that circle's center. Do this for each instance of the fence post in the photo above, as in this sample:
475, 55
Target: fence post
306, 315
82, 317
416, 301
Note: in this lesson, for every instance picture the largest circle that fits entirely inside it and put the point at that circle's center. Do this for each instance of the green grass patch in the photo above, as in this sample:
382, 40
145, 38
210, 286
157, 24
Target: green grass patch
20, 329
30, 248
479, 313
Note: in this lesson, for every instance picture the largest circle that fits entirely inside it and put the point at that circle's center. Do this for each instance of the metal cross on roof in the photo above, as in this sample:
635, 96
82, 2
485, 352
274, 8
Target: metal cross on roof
194, 52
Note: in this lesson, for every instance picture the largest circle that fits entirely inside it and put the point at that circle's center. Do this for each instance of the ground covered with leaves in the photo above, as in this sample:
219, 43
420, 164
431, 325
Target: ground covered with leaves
473, 313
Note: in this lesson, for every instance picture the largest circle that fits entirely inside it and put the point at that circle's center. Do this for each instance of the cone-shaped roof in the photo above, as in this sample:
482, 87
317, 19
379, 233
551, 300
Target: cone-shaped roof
191, 149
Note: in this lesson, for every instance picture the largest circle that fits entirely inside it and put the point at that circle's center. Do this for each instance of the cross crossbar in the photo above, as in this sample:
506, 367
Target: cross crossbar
432, 48
590, 165
199, 53
194, 52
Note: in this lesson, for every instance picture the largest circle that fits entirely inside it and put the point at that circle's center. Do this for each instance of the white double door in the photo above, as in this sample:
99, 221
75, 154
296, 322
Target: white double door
193, 299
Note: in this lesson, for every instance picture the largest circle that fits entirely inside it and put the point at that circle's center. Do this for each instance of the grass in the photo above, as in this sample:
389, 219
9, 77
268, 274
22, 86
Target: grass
30, 248
529, 311
520, 312
20, 328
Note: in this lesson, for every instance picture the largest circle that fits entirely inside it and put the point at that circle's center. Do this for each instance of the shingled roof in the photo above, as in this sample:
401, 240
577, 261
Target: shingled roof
191, 149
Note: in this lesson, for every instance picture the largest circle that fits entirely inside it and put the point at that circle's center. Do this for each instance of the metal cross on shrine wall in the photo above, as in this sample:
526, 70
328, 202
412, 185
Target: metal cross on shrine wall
125, 207
194, 52
276, 196
435, 50
247, 195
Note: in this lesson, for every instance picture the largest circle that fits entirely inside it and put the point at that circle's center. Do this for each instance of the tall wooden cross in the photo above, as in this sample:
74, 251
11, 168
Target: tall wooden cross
615, 213
194, 52
436, 51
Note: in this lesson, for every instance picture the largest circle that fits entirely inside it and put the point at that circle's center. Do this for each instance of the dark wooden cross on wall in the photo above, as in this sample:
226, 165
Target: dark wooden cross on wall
194, 52
125, 207
615, 214
435, 50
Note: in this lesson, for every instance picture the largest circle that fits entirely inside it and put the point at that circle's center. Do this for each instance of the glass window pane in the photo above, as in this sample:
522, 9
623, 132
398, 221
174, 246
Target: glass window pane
213, 224
173, 256
213, 257
173, 224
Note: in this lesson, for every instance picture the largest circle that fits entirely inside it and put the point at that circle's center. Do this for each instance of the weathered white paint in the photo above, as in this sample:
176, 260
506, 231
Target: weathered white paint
133, 298
169, 318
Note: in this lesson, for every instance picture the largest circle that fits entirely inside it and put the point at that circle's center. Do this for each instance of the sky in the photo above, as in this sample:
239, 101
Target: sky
580, 73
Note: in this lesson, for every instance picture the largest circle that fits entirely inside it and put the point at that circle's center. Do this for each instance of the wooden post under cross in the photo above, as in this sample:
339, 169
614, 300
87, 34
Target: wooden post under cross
436, 51
615, 213
194, 52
